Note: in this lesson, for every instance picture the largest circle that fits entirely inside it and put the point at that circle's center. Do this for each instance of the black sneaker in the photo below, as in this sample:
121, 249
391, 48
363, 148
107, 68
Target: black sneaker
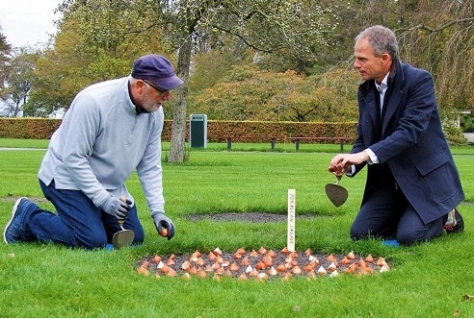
458, 227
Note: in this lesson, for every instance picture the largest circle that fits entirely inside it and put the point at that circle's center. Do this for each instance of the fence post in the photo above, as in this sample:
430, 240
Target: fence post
229, 143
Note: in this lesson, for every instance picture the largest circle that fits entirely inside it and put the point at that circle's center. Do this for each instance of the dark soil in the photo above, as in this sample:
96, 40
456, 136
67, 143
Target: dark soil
251, 217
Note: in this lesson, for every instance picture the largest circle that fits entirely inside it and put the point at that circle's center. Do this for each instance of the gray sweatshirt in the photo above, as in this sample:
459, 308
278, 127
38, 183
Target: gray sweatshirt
100, 143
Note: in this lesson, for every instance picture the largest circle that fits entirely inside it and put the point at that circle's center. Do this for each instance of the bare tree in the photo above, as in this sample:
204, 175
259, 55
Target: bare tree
441, 39
5, 51
18, 76
266, 26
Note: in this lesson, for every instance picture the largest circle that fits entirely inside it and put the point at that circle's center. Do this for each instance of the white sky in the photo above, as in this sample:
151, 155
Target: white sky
27, 22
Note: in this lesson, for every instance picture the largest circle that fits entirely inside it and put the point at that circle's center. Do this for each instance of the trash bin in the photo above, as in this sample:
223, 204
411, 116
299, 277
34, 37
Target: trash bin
198, 130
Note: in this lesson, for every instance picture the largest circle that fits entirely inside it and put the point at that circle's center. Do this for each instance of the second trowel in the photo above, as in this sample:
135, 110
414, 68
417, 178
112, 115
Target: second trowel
336, 193
124, 237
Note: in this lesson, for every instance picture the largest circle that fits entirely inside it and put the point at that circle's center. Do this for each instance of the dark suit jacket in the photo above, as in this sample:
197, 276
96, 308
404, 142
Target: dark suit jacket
411, 141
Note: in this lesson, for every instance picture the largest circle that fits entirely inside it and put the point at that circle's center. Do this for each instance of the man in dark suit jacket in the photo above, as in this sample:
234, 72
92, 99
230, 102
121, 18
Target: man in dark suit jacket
412, 181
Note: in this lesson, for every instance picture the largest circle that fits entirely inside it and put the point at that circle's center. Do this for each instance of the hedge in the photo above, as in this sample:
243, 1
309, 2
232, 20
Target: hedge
217, 131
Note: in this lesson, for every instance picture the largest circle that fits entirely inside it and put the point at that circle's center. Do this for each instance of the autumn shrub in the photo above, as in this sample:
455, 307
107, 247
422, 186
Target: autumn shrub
248, 93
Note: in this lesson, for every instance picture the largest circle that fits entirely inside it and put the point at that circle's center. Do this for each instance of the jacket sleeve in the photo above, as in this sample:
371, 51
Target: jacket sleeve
150, 171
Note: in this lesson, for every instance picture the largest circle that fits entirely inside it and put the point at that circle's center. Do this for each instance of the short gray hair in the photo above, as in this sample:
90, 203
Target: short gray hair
381, 39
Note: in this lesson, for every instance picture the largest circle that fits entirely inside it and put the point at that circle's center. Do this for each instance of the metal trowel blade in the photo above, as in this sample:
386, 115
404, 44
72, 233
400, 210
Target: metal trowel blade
337, 194
123, 238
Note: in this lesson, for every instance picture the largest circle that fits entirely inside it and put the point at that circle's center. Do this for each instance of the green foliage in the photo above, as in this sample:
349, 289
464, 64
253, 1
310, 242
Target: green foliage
28, 127
240, 73
444, 30
210, 68
98, 41
239, 131
467, 123
248, 93
5, 50
20, 77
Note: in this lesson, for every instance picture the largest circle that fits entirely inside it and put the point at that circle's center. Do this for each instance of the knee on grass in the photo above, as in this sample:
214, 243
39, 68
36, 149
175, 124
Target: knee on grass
411, 238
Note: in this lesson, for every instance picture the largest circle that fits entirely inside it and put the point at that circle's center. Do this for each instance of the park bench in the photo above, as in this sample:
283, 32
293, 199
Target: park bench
340, 139
298, 139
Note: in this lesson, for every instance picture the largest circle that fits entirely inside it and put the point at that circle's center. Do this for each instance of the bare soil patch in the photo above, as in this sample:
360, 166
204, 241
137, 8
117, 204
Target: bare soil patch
12, 198
255, 217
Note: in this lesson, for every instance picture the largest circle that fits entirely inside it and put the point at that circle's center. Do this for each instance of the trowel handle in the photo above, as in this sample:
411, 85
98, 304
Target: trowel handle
121, 221
338, 179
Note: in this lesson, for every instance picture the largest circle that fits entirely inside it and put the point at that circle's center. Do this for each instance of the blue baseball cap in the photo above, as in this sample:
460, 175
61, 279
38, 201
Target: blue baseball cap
158, 70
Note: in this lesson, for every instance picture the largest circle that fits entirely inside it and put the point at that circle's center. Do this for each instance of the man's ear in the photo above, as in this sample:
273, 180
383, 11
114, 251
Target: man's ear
140, 85
386, 58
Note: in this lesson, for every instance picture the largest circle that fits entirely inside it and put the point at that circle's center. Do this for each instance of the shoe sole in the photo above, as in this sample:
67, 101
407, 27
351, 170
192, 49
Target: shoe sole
460, 225
460, 222
11, 219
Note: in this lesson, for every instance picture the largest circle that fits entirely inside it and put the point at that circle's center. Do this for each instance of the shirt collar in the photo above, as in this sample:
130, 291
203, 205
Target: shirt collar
382, 87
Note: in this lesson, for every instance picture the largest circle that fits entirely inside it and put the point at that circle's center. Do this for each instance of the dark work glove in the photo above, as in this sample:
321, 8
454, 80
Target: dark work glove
115, 207
162, 221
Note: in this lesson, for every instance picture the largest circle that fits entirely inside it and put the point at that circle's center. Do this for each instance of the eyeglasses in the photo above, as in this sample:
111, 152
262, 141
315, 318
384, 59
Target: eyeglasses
159, 90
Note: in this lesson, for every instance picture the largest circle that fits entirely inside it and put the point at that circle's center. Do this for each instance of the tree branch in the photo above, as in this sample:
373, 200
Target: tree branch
422, 26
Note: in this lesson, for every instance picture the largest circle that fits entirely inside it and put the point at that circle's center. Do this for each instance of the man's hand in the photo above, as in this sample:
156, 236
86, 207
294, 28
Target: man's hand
337, 167
341, 163
115, 207
337, 171
164, 225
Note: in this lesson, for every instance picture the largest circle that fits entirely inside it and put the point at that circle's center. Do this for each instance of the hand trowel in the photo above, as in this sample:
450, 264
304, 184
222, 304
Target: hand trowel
336, 193
124, 237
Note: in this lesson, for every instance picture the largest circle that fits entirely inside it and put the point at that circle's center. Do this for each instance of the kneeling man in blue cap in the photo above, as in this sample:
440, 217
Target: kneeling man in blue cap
110, 130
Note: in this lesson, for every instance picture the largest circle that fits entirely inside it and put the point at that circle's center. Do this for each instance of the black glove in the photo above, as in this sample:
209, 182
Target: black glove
115, 207
162, 221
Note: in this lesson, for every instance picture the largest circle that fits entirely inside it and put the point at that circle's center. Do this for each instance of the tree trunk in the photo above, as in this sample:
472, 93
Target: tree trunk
178, 129
17, 108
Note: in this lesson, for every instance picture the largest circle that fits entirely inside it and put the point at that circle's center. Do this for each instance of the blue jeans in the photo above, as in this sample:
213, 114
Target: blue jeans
78, 222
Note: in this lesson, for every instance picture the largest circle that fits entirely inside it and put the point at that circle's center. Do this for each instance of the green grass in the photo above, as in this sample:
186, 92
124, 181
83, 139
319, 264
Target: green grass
210, 147
247, 147
426, 280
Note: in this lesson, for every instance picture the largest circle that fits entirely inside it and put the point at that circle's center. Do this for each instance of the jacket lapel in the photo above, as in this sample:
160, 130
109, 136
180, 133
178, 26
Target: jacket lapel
391, 107
395, 96
371, 107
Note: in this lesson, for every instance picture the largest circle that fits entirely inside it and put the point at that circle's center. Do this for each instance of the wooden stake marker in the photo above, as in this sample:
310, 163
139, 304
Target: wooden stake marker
291, 220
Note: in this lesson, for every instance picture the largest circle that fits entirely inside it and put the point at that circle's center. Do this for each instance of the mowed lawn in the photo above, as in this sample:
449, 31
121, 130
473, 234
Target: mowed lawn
46, 280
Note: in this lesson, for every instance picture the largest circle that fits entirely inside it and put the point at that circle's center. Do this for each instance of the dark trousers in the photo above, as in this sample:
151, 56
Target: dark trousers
77, 223
387, 214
